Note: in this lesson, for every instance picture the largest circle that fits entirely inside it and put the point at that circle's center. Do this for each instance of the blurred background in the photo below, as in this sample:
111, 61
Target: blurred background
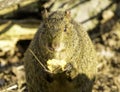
20, 19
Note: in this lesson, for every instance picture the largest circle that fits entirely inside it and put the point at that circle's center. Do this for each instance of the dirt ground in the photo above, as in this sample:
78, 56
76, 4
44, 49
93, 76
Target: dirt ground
108, 49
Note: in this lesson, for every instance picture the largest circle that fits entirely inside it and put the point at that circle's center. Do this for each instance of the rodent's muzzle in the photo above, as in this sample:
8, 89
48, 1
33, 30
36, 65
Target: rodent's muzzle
58, 47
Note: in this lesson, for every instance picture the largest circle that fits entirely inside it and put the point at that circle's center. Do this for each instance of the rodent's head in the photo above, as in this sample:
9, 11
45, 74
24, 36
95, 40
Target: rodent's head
57, 33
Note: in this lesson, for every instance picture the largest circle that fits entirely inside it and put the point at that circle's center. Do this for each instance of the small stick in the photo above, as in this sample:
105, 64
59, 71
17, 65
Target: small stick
39, 61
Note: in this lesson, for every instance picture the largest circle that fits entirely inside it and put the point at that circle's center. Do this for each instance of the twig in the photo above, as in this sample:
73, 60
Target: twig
15, 86
39, 61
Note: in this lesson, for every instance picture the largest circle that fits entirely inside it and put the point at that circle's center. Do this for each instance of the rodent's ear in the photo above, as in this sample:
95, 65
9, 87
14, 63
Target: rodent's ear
68, 14
45, 14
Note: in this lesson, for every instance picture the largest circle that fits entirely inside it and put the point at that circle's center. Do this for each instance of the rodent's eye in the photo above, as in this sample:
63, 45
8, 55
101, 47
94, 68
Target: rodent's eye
43, 32
65, 28
61, 18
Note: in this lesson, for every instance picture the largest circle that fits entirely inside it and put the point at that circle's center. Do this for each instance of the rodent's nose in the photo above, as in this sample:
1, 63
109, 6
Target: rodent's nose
56, 47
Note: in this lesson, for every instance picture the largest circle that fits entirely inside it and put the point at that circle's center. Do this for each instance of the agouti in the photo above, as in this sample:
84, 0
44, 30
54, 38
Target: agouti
61, 56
